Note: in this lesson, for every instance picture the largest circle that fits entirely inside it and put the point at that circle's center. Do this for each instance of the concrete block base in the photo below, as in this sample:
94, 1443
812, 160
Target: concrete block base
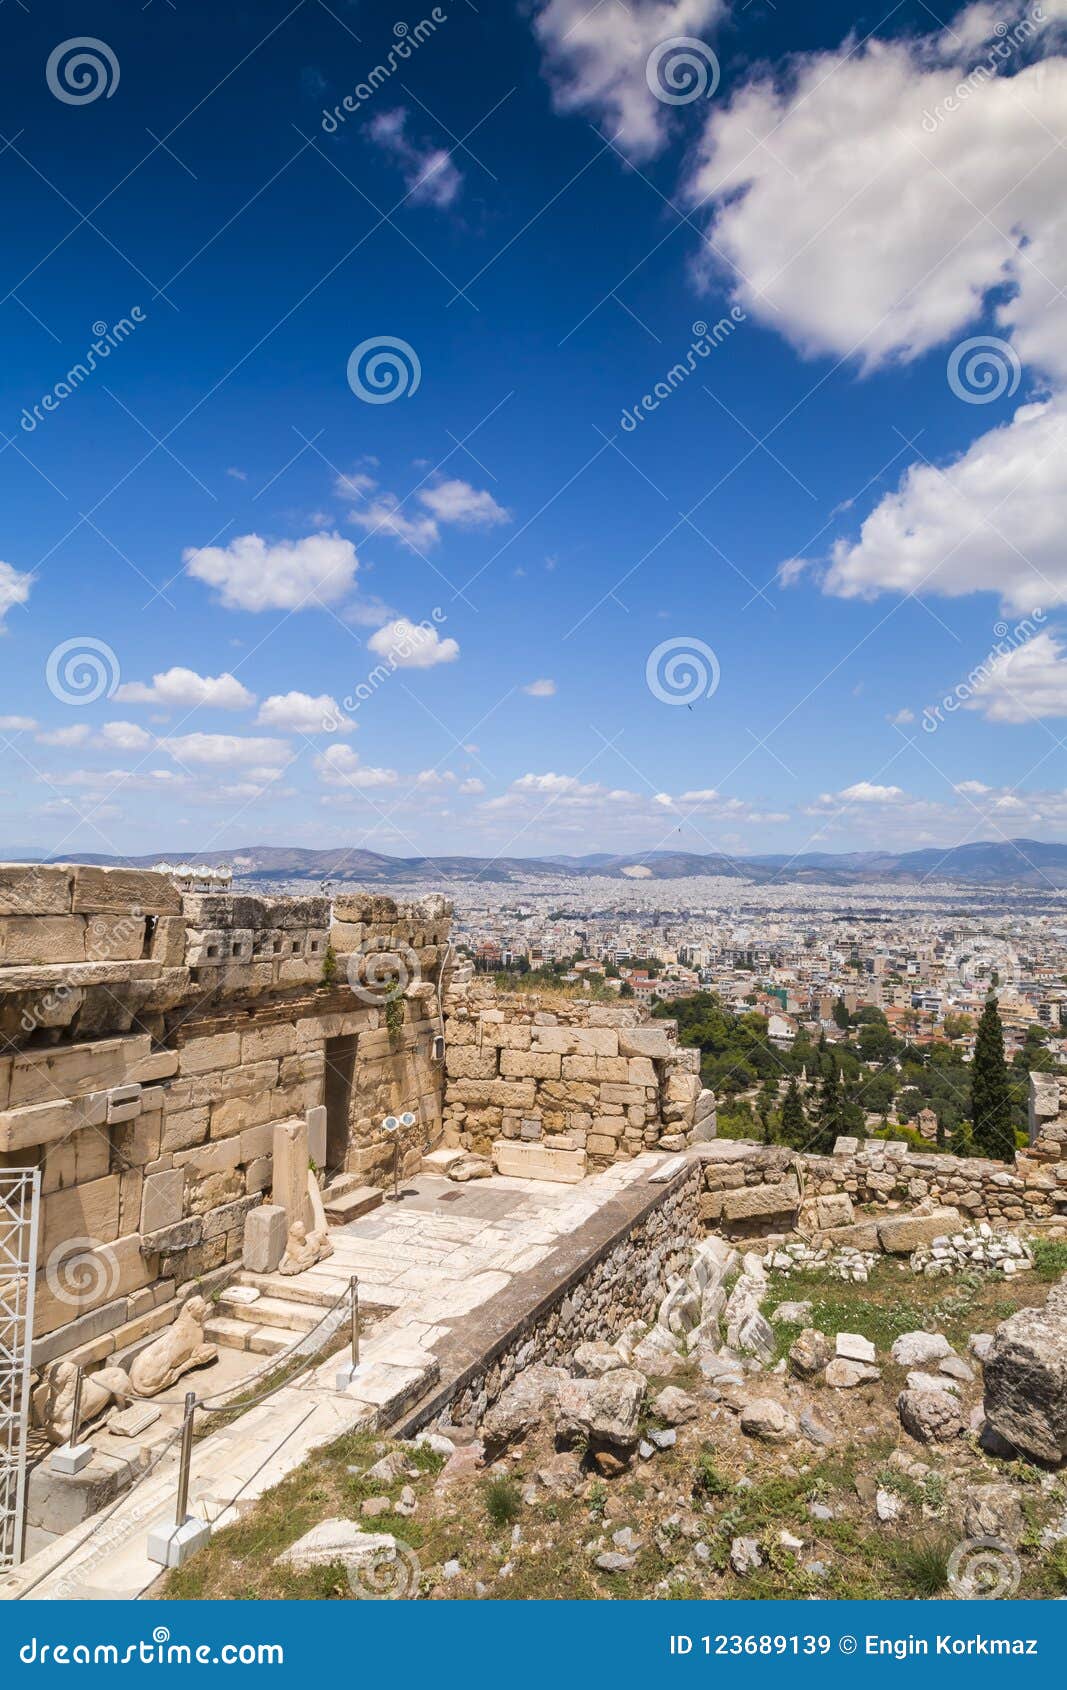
71, 1458
171, 1545
346, 1374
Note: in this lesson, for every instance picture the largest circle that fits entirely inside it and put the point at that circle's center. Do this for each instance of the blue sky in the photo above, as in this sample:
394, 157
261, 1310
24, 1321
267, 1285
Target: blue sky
211, 539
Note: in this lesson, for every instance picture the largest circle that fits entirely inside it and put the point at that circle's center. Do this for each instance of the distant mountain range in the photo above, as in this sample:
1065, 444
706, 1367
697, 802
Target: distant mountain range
1012, 862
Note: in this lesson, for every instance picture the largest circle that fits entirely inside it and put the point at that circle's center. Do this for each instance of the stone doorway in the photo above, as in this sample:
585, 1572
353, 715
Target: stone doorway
340, 1068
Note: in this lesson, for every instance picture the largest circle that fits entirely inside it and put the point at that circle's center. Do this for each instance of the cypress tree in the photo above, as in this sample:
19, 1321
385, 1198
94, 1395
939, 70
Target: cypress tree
993, 1132
829, 1113
794, 1121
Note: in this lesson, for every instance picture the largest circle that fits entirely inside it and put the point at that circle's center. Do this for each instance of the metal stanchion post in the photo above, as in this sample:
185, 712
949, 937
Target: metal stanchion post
349, 1369
171, 1545
181, 1512
72, 1456
355, 1322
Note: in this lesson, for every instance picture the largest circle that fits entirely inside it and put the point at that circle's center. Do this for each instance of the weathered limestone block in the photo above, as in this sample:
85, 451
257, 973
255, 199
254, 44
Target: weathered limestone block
167, 944
290, 1152
85, 1276
652, 1042
162, 1199
103, 891
44, 1123
68, 1071
589, 1041
265, 1235
35, 889
901, 1234
533, 1161
183, 1129
40, 939
260, 1043
466, 1062
83, 1212
201, 1056
530, 1064
753, 1201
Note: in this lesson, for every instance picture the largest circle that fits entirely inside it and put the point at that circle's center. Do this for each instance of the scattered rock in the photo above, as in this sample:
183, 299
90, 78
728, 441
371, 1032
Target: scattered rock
612, 1562
954, 1367
920, 1381
852, 1346
795, 1314
605, 1410
887, 1506
336, 1540
993, 1511
664, 1440
766, 1419
809, 1353
1026, 1379
814, 1430
917, 1349
466, 1168
980, 1344
523, 1405
843, 1375
593, 1360
745, 1556
372, 1505
451, 1570
930, 1416
674, 1407
820, 1511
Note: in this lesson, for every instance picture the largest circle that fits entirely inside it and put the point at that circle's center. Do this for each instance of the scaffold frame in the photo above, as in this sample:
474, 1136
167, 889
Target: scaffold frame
20, 1195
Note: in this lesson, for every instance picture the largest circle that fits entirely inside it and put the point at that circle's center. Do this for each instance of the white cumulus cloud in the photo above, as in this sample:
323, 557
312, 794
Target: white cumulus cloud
256, 574
299, 712
14, 589
412, 645
183, 689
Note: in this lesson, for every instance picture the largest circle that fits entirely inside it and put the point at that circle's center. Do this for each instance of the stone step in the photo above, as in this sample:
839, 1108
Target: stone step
350, 1205
269, 1340
308, 1288
340, 1184
274, 1311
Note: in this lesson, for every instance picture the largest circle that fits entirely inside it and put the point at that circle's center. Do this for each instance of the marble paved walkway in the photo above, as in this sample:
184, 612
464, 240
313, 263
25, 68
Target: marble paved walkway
430, 1260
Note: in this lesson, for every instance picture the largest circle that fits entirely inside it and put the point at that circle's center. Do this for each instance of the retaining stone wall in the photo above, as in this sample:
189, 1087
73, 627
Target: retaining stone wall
625, 1281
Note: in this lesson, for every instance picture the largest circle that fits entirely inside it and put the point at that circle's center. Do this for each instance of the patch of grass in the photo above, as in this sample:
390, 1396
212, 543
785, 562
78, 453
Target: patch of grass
503, 1501
707, 1479
921, 1563
1050, 1258
1054, 1568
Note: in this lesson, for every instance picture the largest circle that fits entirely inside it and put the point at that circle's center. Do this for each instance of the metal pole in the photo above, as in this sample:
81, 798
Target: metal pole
185, 1459
354, 1287
76, 1407
396, 1167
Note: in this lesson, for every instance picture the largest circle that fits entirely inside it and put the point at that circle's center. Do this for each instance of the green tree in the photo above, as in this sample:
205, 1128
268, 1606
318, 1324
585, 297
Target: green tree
841, 1015
794, 1120
829, 1113
991, 1121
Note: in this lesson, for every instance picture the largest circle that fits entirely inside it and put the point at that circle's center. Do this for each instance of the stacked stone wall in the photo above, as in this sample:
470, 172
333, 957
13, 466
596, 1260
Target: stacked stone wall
752, 1188
151, 1039
595, 1079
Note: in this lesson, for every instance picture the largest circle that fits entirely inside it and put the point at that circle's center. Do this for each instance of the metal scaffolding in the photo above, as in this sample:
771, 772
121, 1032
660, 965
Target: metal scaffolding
20, 1191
